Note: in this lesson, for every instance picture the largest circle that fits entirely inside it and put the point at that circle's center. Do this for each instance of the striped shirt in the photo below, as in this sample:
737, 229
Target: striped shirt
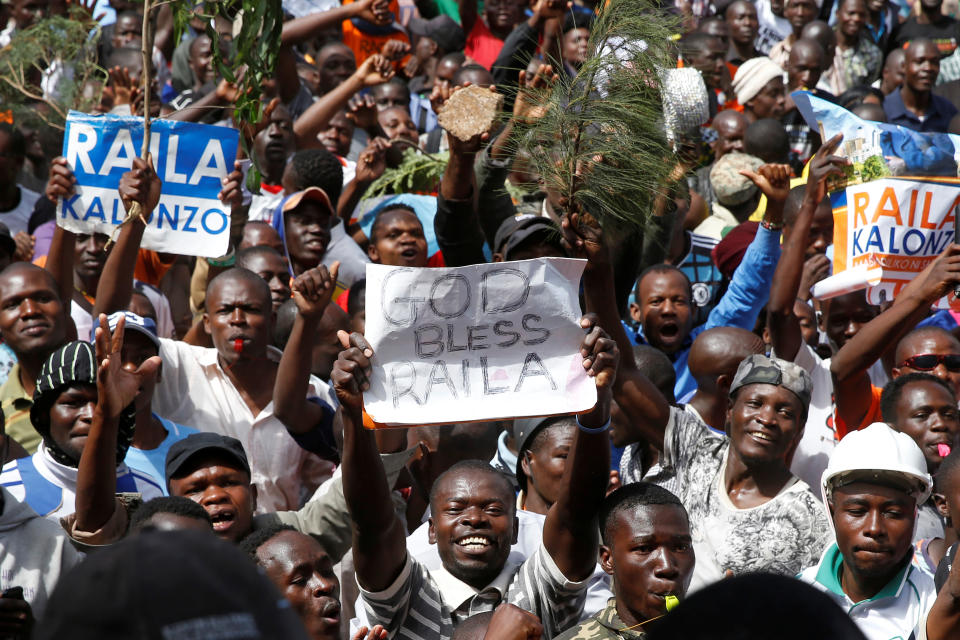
426, 605
50, 487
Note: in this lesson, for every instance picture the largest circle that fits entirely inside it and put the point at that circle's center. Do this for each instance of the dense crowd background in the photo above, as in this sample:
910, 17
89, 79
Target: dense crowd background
185, 452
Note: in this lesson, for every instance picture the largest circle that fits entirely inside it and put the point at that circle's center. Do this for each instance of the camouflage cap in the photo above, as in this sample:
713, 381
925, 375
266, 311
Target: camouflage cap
760, 369
731, 187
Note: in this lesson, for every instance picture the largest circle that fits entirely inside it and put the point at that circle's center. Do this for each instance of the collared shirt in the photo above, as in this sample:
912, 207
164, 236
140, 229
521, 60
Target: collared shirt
195, 390
937, 117
50, 488
949, 68
897, 611
16, 404
427, 604
857, 65
606, 624
782, 535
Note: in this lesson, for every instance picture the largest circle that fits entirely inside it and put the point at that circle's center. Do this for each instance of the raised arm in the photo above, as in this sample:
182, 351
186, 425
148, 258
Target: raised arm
849, 366
60, 256
749, 288
457, 224
312, 291
379, 541
639, 398
140, 184
117, 387
570, 532
302, 29
781, 321
468, 15
373, 71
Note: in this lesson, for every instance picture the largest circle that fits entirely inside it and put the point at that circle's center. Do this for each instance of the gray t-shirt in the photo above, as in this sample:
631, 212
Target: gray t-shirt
784, 535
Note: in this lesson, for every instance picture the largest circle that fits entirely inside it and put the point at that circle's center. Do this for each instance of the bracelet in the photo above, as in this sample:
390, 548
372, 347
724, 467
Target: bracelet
771, 226
593, 430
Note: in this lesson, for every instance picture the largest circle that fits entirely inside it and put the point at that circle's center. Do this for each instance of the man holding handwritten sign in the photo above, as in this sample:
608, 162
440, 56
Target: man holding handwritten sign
485, 341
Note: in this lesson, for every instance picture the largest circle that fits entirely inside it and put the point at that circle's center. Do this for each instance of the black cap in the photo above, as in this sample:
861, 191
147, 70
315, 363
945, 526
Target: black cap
516, 229
168, 584
183, 450
443, 30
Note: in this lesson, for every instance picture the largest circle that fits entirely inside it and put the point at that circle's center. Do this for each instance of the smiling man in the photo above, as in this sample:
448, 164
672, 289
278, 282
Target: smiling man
33, 323
647, 549
915, 106
473, 521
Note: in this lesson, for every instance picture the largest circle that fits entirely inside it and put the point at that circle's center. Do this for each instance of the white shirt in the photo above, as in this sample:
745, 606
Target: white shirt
773, 28
195, 390
819, 434
65, 478
898, 611
18, 218
263, 204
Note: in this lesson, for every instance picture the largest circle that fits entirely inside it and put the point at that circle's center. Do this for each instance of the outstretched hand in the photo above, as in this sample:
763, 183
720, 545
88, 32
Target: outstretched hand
61, 181
140, 184
374, 70
118, 384
313, 289
772, 179
377, 633
600, 353
583, 238
530, 104
232, 192
823, 165
352, 370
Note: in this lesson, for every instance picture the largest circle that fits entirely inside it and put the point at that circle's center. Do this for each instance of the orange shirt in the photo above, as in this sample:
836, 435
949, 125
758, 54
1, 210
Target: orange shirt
873, 415
365, 43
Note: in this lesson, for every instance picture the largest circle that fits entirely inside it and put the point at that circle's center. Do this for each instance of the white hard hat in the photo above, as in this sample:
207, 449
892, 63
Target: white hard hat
878, 454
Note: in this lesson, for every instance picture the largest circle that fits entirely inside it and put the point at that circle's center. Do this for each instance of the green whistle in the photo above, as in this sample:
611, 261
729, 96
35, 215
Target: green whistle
672, 602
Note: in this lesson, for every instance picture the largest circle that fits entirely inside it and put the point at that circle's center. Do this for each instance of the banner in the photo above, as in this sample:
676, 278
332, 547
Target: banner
481, 342
190, 159
894, 210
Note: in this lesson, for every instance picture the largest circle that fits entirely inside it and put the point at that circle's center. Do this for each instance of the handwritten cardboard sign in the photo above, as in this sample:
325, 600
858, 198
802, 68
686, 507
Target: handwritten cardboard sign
190, 159
481, 342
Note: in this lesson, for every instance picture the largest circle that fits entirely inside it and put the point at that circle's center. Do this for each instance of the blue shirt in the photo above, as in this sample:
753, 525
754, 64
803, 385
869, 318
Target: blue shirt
937, 117
740, 306
154, 461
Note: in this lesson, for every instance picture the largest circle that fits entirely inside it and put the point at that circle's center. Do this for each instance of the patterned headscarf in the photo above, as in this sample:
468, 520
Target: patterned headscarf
73, 364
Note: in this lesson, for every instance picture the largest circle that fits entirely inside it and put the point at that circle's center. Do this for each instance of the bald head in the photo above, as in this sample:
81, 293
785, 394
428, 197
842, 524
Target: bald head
822, 32
731, 126
250, 281
807, 50
805, 65
926, 340
718, 352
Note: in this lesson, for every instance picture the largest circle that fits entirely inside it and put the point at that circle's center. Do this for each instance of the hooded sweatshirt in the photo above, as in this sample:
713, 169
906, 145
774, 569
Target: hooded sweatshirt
34, 551
353, 261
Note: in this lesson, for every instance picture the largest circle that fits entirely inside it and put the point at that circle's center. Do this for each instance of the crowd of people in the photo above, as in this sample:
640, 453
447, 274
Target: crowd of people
185, 448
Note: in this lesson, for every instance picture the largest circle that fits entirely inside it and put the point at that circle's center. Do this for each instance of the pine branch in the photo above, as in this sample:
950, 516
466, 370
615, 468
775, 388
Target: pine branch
600, 142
